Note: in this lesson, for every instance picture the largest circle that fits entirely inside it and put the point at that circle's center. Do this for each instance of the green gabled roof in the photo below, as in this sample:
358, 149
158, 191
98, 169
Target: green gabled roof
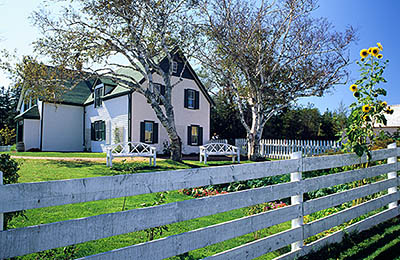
31, 113
77, 95
116, 92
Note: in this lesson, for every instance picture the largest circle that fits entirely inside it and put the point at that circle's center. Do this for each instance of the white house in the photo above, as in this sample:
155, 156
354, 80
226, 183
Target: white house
97, 113
393, 121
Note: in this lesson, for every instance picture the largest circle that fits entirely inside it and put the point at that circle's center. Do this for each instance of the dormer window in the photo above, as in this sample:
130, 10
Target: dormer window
174, 67
98, 95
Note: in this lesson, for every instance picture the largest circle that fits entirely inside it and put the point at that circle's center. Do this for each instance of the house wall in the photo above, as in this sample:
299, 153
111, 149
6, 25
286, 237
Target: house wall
31, 134
115, 113
62, 128
184, 117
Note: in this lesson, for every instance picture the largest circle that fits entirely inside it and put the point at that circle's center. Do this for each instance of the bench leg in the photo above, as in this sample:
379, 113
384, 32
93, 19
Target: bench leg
154, 161
205, 158
110, 162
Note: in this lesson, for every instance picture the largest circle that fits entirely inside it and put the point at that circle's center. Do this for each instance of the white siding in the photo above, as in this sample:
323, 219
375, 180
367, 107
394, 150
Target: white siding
184, 117
62, 128
31, 134
115, 113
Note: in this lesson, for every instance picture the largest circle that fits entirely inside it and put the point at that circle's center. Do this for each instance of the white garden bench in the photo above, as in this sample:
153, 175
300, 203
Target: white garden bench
131, 149
219, 149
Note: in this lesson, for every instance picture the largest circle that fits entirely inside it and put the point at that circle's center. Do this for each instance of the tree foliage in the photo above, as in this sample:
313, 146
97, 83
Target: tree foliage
272, 53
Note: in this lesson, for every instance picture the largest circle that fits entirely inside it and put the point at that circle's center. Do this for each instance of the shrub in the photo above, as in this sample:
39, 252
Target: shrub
10, 169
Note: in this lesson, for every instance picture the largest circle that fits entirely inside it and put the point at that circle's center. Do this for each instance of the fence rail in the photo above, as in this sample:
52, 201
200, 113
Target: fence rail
5, 148
282, 149
21, 241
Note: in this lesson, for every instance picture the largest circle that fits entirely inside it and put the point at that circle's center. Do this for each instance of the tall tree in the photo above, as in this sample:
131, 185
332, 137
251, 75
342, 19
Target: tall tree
272, 54
123, 38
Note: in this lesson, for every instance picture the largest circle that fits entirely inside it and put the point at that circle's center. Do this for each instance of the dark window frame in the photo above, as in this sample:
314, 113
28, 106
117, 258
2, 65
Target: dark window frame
199, 135
98, 129
154, 133
191, 105
174, 67
98, 96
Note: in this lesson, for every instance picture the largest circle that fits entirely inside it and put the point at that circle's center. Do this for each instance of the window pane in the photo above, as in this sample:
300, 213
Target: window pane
195, 135
148, 132
191, 97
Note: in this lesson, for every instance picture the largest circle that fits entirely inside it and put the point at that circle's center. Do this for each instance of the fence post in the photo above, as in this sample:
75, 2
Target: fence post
1, 213
298, 199
392, 175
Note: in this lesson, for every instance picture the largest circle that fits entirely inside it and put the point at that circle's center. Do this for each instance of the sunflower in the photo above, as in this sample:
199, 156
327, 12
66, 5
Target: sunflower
380, 46
366, 108
375, 51
370, 50
379, 56
356, 94
364, 53
353, 87
384, 104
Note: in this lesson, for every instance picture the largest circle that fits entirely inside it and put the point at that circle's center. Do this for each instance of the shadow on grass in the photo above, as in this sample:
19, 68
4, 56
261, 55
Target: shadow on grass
350, 244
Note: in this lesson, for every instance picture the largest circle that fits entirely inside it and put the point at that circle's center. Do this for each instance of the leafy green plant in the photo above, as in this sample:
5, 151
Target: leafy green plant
8, 135
160, 198
368, 110
10, 169
65, 253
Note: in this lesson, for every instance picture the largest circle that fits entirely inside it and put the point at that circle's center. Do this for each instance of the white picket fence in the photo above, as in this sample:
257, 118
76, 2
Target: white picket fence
5, 148
22, 241
282, 149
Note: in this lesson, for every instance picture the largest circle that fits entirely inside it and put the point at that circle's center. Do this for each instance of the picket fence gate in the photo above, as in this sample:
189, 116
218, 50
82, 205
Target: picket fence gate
282, 148
21, 241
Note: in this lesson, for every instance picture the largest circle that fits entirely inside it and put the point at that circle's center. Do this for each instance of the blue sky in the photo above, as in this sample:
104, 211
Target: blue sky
376, 21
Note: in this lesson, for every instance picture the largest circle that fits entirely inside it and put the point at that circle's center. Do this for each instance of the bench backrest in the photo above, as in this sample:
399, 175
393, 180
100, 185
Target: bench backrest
131, 148
219, 148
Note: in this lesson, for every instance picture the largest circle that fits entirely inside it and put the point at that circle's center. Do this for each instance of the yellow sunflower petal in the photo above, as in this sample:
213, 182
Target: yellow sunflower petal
380, 46
364, 53
375, 51
379, 56
353, 87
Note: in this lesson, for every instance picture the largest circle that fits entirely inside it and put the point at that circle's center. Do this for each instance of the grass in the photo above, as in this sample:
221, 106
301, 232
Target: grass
45, 170
379, 242
57, 154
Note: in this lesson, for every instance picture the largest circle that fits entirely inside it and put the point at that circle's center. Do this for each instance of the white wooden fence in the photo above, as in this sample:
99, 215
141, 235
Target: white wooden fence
5, 148
282, 149
21, 241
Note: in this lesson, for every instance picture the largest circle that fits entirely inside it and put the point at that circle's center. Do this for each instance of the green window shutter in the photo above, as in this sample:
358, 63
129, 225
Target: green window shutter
92, 132
189, 135
155, 133
142, 125
103, 130
196, 100
200, 135
186, 99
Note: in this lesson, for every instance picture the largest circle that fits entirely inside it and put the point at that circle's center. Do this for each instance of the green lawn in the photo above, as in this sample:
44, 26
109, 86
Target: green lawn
44, 170
56, 154
379, 242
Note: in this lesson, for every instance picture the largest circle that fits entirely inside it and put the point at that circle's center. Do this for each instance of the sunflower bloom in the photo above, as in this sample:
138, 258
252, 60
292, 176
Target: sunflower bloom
366, 108
380, 46
353, 87
370, 50
375, 51
384, 104
379, 56
364, 53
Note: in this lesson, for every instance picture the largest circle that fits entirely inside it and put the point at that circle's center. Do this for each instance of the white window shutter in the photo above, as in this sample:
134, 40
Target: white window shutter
108, 132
